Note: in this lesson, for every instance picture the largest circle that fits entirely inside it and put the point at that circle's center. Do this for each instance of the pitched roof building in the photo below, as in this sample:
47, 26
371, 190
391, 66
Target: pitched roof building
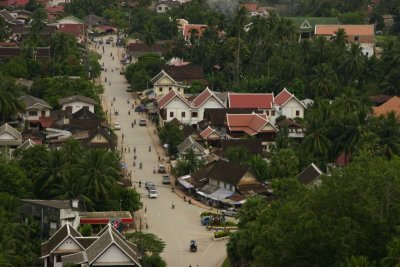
391, 105
258, 101
188, 28
9, 136
310, 175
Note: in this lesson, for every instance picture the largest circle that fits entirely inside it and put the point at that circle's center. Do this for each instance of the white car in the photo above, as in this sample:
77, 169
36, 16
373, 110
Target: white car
230, 212
153, 193
117, 126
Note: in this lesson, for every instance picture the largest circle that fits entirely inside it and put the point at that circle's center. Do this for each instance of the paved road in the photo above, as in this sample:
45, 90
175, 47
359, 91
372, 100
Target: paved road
175, 226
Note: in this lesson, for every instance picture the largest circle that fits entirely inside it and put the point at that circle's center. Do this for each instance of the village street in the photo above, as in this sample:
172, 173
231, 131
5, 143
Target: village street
175, 226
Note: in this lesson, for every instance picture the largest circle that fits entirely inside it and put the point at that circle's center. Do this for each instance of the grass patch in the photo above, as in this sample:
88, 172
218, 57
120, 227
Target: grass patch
220, 234
226, 263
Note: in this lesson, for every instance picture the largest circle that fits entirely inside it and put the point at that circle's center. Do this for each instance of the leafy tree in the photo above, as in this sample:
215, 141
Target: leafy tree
259, 167
284, 163
4, 31
237, 154
154, 261
10, 104
13, 180
147, 242
86, 230
171, 134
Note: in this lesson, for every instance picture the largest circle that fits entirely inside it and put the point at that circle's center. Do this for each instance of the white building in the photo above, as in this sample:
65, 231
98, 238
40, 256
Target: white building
34, 109
163, 83
175, 105
76, 103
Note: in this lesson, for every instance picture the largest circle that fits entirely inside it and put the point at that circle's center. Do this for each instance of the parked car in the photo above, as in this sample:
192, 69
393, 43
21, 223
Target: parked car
108, 41
153, 193
231, 212
142, 122
161, 168
165, 179
212, 220
149, 185
117, 126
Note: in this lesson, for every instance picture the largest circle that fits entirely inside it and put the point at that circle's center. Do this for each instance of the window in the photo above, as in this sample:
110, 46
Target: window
194, 114
58, 258
267, 112
160, 8
32, 113
297, 113
183, 114
273, 113
356, 38
179, 89
170, 89
160, 89
98, 137
43, 113
171, 114
166, 8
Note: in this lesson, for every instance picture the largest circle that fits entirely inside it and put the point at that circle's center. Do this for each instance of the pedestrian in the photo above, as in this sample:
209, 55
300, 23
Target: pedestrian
134, 157
114, 99
122, 134
129, 150
134, 149
111, 103
129, 112
149, 148
132, 124
145, 209
159, 158
125, 149
134, 121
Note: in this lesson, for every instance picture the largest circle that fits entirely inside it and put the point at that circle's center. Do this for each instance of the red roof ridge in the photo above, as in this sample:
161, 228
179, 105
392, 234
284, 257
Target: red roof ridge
210, 94
165, 99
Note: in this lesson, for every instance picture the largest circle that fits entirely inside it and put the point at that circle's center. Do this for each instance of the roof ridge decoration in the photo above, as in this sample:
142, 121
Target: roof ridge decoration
171, 95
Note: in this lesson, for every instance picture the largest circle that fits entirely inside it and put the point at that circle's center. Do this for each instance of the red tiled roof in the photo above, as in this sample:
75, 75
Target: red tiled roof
248, 123
168, 97
46, 122
201, 98
343, 159
74, 29
360, 30
207, 132
261, 101
252, 7
392, 105
55, 9
7, 44
283, 97
199, 27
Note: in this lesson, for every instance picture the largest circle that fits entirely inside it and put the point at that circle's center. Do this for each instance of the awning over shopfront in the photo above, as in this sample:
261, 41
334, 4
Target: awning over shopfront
106, 217
183, 181
214, 193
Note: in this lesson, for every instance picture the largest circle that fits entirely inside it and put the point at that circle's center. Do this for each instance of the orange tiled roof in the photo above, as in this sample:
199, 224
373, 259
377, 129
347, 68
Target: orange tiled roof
361, 30
393, 104
199, 27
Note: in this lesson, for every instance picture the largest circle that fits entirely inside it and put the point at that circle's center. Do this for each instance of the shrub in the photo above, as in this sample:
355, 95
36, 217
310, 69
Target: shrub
220, 234
208, 213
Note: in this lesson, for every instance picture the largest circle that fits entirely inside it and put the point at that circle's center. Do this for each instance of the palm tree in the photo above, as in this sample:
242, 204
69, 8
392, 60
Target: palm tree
148, 34
100, 169
10, 104
72, 186
340, 39
389, 133
285, 30
71, 151
239, 21
38, 24
324, 80
8, 246
179, 48
51, 173
354, 64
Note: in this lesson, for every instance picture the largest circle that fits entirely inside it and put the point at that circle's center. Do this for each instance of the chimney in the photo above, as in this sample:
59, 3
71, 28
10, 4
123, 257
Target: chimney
74, 203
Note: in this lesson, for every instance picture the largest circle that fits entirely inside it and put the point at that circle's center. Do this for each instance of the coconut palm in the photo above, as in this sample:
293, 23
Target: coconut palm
51, 174
148, 35
340, 38
354, 64
38, 24
10, 104
8, 247
71, 151
389, 132
323, 80
72, 186
100, 169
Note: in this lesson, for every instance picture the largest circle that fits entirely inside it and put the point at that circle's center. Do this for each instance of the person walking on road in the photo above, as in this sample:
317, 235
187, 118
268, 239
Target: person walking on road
145, 209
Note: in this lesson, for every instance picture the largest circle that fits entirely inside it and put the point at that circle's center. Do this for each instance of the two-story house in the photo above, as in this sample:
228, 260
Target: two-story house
35, 108
164, 5
173, 105
76, 103
288, 105
163, 83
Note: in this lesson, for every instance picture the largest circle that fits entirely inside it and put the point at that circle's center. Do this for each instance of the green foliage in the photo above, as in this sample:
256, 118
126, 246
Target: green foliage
219, 234
81, 8
154, 260
86, 230
171, 134
147, 242
353, 212
351, 18
284, 163
13, 180
140, 73
10, 104
207, 213
52, 89
188, 164
237, 154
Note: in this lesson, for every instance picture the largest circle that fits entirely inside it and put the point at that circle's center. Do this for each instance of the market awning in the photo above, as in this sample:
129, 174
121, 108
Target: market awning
106, 217
214, 193
184, 183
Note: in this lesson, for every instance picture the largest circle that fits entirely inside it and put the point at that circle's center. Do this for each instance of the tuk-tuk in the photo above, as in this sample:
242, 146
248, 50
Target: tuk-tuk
193, 246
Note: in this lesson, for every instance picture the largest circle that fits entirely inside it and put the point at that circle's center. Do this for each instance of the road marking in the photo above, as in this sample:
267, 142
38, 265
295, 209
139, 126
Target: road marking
205, 252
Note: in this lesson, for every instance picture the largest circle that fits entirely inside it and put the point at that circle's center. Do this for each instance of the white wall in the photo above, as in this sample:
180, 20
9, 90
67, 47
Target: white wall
113, 255
367, 49
162, 8
210, 103
290, 108
39, 114
77, 105
177, 106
